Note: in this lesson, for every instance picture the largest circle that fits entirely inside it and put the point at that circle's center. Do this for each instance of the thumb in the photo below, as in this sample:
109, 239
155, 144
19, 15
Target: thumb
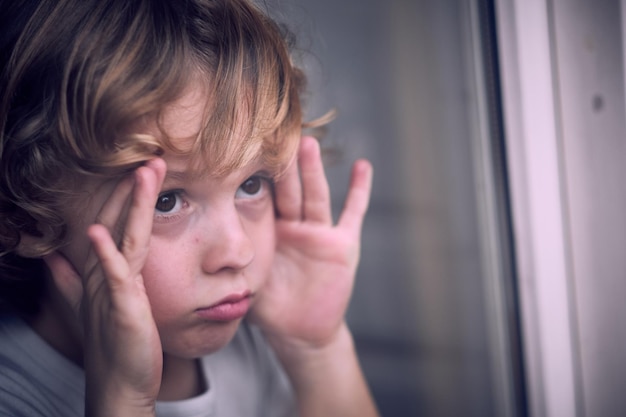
66, 279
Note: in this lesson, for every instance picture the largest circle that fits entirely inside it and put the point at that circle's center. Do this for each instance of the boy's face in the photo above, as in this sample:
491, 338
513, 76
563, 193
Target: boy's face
211, 248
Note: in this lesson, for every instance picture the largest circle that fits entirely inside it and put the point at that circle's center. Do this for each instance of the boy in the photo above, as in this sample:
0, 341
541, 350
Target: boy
115, 305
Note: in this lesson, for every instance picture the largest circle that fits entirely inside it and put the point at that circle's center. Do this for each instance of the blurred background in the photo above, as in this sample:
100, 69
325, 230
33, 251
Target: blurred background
450, 312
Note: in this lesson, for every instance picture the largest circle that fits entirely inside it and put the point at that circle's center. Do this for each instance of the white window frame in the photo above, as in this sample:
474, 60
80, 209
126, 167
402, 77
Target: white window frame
540, 227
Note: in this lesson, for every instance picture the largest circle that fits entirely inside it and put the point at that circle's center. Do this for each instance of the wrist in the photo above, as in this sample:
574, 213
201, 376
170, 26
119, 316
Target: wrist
303, 357
327, 378
109, 399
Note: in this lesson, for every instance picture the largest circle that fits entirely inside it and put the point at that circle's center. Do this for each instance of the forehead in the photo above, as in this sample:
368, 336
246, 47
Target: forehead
188, 128
220, 130
184, 119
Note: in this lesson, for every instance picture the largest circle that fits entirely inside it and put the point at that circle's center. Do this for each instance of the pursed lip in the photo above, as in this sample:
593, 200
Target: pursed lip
229, 308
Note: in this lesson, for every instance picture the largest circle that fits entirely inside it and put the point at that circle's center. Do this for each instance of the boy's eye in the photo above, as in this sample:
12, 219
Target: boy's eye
166, 202
251, 186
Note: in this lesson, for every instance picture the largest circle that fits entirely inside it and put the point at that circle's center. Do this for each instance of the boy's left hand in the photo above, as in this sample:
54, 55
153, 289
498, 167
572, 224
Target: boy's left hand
305, 299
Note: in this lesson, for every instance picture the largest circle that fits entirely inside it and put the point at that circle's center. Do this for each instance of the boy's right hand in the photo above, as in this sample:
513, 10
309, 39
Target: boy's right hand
123, 357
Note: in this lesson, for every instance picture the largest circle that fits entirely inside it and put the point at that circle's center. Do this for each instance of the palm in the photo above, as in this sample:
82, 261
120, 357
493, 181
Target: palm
313, 273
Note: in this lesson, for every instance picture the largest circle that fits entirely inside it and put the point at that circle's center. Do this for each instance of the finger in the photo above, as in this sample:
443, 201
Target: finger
358, 197
66, 279
159, 167
138, 228
114, 210
316, 193
113, 215
289, 193
117, 204
110, 259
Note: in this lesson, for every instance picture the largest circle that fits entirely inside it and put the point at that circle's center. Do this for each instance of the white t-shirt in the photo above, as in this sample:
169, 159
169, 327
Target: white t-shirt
243, 379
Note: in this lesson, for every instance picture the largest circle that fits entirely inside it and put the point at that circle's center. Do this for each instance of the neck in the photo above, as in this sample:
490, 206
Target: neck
182, 379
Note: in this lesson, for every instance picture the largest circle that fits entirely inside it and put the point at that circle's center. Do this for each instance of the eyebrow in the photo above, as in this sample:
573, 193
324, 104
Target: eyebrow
179, 176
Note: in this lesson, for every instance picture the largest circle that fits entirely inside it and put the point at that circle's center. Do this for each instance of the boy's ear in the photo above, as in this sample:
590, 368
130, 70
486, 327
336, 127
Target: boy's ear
65, 278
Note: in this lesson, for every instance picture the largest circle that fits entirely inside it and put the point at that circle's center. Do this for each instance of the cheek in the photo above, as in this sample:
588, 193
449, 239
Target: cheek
165, 277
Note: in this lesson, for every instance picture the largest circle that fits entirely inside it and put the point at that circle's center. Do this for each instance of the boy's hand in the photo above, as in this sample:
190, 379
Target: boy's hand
122, 349
305, 299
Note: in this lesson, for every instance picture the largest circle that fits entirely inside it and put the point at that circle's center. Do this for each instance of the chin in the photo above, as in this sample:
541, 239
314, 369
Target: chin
196, 343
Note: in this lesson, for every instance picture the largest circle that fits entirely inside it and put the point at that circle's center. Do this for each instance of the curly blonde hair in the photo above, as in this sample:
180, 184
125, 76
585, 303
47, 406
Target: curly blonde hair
76, 75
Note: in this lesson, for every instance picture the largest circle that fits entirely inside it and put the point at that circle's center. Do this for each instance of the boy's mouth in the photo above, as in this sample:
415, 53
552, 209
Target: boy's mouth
229, 308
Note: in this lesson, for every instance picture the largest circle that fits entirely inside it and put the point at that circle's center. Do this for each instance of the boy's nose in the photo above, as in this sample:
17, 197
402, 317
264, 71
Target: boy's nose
230, 246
